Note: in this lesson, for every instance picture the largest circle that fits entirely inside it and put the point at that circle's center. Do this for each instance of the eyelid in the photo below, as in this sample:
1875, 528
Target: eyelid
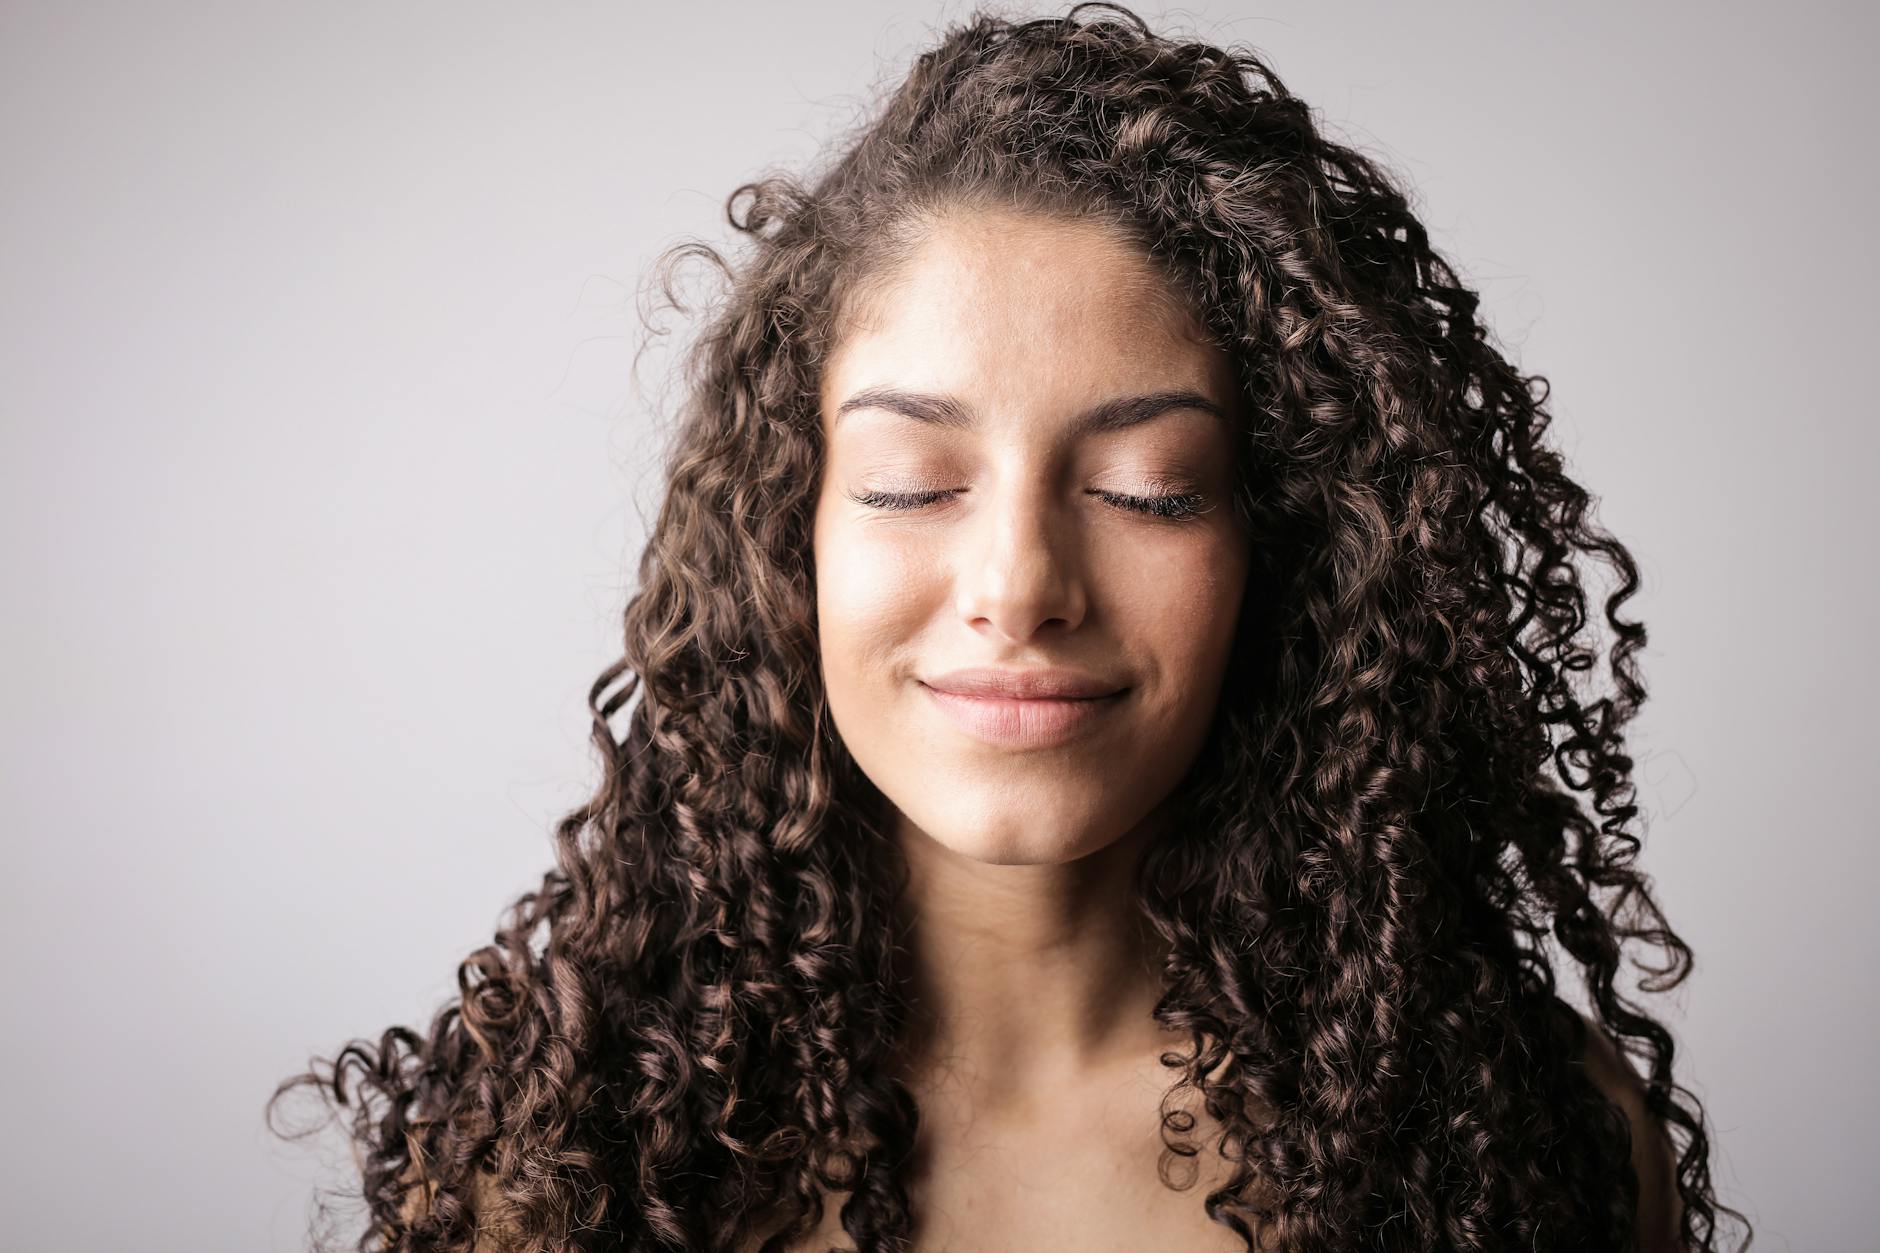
1152, 483
1170, 485
1177, 506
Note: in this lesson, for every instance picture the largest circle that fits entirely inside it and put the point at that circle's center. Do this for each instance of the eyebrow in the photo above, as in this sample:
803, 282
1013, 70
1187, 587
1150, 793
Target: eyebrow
1111, 415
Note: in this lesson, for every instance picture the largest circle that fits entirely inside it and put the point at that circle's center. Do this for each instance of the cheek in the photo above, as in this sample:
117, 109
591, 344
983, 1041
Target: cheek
870, 595
1182, 610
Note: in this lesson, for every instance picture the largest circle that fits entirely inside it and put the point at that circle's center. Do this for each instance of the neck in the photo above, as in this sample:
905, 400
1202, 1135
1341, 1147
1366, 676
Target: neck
1028, 980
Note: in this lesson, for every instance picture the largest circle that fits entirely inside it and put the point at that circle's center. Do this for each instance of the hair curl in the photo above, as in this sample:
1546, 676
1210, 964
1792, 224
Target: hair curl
689, 1026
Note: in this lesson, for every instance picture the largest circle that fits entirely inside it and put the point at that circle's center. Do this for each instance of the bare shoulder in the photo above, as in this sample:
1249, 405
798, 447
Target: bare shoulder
1653, 1156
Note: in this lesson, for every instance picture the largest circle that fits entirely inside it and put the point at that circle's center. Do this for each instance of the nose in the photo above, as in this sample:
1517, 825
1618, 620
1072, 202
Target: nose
1019, 569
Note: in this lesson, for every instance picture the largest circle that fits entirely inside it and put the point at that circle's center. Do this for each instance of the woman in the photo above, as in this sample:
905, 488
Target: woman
1107, 770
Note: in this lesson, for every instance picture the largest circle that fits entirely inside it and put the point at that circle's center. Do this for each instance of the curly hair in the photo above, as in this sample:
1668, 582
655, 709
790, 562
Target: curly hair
1406, 809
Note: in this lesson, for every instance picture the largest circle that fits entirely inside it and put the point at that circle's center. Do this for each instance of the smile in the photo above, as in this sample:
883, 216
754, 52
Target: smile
1005, 722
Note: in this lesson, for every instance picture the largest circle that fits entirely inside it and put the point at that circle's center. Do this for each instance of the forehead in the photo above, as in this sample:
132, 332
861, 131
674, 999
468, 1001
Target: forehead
1011, 302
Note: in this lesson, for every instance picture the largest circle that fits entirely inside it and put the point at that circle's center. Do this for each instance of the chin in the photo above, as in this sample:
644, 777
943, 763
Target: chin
1016, 840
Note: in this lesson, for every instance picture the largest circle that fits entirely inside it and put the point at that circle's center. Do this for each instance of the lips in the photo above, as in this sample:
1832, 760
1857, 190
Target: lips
1024, 709
1031, 683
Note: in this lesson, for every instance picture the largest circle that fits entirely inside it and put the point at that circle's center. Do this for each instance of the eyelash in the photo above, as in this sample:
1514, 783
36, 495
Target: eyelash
1176, 507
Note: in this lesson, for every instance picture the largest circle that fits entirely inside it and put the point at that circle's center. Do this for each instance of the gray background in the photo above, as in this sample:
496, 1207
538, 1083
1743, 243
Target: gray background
323, 471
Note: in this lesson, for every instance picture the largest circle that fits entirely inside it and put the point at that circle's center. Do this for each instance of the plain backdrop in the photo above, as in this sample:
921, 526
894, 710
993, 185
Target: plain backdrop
324, 471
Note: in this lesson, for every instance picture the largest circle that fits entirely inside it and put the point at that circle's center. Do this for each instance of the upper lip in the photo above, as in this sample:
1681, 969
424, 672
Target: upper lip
1030, 683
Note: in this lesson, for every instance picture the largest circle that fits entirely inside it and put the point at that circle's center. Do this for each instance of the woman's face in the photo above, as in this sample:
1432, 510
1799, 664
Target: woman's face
990, 452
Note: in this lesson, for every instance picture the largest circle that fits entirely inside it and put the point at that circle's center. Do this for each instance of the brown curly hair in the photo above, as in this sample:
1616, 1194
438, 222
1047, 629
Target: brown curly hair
685, 1036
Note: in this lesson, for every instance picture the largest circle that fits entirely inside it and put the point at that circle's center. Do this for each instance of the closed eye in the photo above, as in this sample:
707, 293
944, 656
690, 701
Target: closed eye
1176, 506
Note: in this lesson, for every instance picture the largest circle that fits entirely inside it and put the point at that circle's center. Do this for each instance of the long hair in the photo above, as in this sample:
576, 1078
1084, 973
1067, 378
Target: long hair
1415, 799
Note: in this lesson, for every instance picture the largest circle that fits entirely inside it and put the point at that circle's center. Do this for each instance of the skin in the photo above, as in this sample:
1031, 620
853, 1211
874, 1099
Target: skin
1036, 1061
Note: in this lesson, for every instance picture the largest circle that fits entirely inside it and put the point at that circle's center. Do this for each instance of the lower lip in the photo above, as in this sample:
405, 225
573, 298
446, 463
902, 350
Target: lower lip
1008, 723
